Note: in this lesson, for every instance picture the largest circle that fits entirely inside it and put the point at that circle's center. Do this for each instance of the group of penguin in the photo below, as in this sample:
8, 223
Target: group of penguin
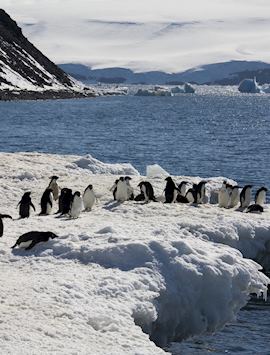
72, 204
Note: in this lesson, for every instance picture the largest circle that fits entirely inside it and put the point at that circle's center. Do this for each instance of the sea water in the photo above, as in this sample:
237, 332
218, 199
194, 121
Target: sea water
217, 132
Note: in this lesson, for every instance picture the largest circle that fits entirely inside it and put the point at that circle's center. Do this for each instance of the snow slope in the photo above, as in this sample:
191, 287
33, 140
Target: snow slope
123, 272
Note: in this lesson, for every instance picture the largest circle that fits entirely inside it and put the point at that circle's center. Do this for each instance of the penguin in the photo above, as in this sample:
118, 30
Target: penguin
121, 193
255, 208
224, 196
2, 224
234, 198
64, 201
114, 188
30, 239
76, 205
25, 205
147, 191
54, 186
46, 202
89, 198
191, 194
129, 188
183, 188
260, 196
245, 196
200, 190
171, 191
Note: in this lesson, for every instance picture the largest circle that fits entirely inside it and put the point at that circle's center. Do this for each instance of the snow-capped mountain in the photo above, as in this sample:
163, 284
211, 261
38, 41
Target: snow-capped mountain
218, 73
25, 71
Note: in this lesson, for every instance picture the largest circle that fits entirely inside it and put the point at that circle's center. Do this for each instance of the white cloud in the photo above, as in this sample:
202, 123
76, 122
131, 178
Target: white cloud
144, 35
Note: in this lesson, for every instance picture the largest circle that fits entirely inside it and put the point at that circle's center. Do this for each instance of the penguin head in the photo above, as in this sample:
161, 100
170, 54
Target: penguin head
264, 189
121, 178
54, 177
168, 178
141, 184
90, 187
127, 178
52, 235
77, 193
27, 194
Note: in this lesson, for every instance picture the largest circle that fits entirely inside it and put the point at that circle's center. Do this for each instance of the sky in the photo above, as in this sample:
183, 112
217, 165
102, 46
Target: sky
171, 35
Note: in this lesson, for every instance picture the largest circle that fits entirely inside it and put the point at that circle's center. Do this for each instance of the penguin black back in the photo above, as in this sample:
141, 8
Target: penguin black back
45, 200
169, 190
65, 200
34, 238
2, 224
25, 204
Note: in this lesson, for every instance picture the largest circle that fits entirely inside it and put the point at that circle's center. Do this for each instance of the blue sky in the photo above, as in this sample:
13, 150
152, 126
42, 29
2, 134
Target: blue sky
171, 35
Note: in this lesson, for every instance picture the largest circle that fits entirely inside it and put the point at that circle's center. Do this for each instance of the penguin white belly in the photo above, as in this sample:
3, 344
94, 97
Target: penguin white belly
89, 199
234, 199
76, 207
190, 197
247, 198
261, 198
183, 190
223, 198
146, 197
121, 192
49, 205
25, 244
175, 194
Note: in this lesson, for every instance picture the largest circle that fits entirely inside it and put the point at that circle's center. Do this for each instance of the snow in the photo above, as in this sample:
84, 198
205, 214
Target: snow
125, 276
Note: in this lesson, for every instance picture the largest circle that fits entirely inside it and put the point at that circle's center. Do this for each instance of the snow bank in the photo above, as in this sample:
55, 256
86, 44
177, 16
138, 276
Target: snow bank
123, 277
97, 167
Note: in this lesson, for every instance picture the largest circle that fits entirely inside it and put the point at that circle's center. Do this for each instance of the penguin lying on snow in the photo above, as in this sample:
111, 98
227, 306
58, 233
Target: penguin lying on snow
25, 205
147, 192
1, 223
255, 208
30, 239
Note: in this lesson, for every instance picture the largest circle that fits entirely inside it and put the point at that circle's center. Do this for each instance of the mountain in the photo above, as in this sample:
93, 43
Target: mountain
25, 72
227, 73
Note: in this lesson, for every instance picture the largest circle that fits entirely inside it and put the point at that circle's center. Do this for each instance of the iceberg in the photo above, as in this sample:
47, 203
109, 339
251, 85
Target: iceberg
249, 86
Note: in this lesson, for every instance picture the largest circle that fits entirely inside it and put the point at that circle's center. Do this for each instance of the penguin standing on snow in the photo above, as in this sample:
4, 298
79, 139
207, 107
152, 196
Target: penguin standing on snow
245, 196
224, 195
171, 191
191, 194
25, 205
183, 188
2, 224
234, 198
46, 202
76, 205
121, 193
89, 198
201, 192
260, 197
147, 191
130, 190
54, 186
64, 201
114, 188
30, 239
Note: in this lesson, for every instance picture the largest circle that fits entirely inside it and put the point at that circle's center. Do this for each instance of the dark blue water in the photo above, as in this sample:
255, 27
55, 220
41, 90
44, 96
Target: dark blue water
206, 135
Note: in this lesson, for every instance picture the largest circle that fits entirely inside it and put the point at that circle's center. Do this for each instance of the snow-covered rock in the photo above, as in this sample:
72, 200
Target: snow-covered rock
125, 276
249, 86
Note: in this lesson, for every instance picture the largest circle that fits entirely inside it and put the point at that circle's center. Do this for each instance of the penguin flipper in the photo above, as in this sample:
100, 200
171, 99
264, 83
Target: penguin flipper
33, 206
5, 216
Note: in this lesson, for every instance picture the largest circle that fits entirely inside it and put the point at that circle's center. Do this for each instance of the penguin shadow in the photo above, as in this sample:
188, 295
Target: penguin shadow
240, 209
110, 205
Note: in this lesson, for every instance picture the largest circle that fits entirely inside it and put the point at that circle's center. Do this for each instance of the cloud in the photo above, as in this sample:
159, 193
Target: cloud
146, 35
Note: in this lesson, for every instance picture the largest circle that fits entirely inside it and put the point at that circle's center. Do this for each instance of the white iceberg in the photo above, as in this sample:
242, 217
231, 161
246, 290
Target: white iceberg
155, 171
156, 91
249, 86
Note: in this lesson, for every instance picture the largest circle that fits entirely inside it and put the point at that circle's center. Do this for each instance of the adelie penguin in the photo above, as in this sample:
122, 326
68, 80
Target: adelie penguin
130, 191
255, 208
147, 192
25, 204
121, 193
89, 198
46, 202
201, 192
234, 198
171, 191
54, 186
76, 205
30, 239
192, 195
114, 188
260, 197
64, 201
2, 224
224, 195
245, 196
